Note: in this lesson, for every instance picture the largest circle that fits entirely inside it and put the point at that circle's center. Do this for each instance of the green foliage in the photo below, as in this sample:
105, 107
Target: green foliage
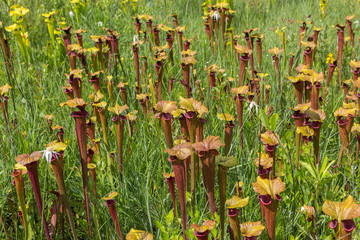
144, 201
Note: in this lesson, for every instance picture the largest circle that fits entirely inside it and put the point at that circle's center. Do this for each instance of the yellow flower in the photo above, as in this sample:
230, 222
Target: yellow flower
330, 58
4, 89
18, 11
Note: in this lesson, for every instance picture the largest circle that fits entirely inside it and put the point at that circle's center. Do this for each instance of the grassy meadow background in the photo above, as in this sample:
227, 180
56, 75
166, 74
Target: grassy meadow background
144, 201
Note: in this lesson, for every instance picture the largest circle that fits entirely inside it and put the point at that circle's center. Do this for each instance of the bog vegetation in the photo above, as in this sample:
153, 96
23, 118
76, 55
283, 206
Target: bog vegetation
179, 119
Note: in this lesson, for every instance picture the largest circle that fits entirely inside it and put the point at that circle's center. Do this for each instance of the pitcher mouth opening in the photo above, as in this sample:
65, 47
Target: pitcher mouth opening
265, 199
348, 225
233, 212
333, 224
201, 234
